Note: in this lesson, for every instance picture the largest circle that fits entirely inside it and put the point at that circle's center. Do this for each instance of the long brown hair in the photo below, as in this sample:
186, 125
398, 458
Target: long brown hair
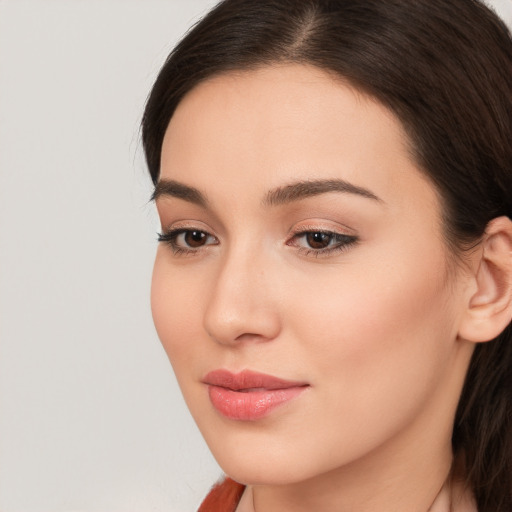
444, 67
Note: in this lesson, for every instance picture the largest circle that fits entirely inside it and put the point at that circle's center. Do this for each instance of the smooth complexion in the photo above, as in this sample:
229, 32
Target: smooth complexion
301, 241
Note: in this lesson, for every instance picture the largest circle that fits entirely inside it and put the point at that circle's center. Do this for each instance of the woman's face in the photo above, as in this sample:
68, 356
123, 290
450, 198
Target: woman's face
301, 242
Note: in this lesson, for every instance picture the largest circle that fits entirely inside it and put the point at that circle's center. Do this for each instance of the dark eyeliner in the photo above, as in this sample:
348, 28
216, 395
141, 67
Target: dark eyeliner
170, 238
342, 242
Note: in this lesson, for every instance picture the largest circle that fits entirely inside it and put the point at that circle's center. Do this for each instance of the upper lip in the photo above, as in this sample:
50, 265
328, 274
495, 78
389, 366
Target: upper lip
248, 379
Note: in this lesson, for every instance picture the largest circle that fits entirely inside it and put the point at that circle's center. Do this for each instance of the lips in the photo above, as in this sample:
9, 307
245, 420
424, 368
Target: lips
249, 396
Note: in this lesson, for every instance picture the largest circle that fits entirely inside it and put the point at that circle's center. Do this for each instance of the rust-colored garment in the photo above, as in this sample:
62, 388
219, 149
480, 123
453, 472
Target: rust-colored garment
224, 497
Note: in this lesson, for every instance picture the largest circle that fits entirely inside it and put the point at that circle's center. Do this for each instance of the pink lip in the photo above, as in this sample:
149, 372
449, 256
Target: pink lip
249, 396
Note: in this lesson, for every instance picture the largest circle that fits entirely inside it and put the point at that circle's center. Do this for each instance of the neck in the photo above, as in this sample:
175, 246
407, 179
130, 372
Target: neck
454, 496
382, 483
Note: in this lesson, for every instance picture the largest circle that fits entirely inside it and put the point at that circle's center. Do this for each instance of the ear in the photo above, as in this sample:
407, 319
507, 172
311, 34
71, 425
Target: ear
489, 310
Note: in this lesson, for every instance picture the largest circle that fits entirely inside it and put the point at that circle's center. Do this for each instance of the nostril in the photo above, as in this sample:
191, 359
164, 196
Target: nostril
250, 337
254, 325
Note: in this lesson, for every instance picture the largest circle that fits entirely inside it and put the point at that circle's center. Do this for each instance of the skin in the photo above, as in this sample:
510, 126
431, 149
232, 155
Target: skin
372, 328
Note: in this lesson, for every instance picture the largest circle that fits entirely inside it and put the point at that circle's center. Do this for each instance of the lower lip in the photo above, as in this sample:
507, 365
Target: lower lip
250, 405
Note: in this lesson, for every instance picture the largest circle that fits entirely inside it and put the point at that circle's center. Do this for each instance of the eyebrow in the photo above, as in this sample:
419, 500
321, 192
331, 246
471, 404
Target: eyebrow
275, 197
180, 191
304, 189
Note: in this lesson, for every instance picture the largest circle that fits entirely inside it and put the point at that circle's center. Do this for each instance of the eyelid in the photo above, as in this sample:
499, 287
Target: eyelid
312, 225
344, 238
187, 225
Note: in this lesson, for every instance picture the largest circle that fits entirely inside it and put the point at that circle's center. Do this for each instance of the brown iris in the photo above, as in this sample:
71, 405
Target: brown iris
195, 238
318, 240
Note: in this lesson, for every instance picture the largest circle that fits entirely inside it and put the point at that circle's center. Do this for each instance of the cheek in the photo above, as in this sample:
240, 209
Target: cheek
377, 335
174, 315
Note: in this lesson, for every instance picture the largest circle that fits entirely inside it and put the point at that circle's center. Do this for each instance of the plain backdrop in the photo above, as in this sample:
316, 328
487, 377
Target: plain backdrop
91, 418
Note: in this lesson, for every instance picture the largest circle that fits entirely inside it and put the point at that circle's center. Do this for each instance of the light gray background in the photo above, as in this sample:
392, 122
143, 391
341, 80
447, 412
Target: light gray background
91, 418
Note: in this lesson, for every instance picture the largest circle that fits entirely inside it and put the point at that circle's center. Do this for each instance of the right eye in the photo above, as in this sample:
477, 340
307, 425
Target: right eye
187, 240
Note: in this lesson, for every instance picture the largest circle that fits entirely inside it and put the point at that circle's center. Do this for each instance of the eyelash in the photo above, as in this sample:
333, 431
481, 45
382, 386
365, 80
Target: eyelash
341, 242
170, 238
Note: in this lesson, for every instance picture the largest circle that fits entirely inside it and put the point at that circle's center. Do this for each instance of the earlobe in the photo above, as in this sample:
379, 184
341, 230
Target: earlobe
490, 307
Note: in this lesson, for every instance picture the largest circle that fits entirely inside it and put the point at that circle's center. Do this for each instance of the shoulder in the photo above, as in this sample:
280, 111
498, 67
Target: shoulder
223, 497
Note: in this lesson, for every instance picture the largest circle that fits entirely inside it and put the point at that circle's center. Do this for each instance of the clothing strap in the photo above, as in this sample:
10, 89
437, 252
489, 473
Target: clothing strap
223, 497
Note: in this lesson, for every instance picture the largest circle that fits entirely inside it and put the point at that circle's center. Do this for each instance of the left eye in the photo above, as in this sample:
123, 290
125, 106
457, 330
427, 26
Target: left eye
319, 241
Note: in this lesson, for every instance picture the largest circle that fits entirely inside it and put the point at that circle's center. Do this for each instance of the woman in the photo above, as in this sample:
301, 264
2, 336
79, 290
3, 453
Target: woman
333, 285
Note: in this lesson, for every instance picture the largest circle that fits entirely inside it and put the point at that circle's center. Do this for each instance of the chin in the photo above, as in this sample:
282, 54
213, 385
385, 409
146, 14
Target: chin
260, 460
250, 473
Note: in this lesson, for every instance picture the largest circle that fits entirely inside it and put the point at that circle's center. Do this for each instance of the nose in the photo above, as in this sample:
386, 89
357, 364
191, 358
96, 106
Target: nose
241, 307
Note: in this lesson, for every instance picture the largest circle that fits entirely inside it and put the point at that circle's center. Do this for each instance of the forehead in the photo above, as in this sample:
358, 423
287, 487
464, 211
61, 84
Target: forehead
263, 127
